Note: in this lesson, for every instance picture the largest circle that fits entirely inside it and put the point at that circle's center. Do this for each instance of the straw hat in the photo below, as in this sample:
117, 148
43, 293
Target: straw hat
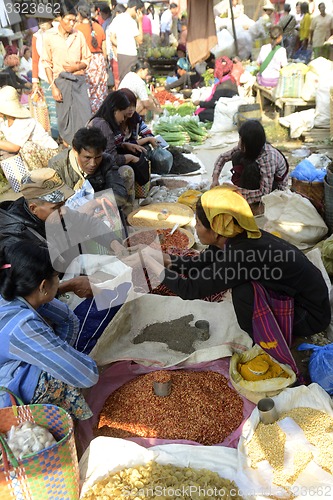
45, 184
10, 104
268, 6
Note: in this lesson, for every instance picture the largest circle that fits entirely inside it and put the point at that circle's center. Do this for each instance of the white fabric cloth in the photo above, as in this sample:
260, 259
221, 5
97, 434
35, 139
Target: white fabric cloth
166, 21
116, 342
133, 82
24, 129
279, 61
126, 29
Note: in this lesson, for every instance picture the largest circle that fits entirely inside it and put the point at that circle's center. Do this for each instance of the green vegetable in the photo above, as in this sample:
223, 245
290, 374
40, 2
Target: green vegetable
208, 77
177, 129
182, 110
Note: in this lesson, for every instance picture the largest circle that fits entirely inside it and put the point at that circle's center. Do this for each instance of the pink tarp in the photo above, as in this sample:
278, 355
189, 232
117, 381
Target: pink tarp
121, 372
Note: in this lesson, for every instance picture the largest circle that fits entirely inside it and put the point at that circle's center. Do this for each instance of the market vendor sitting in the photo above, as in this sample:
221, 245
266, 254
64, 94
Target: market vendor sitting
136, 81
187, 78
256, 265
258, 167
37, 360
272, 57
87, 160
44, 193
224, 86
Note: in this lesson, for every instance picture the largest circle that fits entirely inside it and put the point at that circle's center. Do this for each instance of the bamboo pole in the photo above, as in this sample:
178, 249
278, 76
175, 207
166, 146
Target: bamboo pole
233, 26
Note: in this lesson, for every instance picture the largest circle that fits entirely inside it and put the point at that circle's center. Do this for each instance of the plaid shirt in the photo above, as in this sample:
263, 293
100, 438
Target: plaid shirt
139, 130
272, 167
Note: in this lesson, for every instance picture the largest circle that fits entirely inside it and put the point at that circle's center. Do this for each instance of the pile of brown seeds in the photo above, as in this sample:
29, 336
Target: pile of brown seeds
201, 407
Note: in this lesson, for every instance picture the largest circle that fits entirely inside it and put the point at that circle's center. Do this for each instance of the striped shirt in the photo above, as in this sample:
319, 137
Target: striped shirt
29, 345
272, 167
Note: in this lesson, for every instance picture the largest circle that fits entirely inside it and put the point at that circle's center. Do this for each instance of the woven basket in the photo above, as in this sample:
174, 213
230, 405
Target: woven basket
50, 473
161, 215
313, 191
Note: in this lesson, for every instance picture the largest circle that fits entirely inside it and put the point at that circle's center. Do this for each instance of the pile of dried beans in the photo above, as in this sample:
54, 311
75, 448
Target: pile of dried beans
201, 407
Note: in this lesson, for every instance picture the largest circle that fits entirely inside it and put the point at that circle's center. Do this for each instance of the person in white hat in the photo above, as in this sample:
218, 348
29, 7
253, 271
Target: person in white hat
19, 133
268, 17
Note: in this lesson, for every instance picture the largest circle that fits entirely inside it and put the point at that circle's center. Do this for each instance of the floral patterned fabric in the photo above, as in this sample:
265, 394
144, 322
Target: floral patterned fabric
35, 156
52, 391
127, 175
97, 81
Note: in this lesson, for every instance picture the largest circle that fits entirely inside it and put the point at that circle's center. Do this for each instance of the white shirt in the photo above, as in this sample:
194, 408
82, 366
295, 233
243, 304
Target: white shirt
108, 43
25, 65
155, 23
133, 82
279, 61
321, 27
125, 29
166, 21
25, 129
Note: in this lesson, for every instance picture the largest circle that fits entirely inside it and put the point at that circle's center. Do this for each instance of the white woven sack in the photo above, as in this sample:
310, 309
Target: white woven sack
294, 218
224, 113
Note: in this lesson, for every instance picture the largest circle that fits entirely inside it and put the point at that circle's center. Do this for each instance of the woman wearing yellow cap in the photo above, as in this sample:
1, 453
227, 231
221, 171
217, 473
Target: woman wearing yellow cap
257, 266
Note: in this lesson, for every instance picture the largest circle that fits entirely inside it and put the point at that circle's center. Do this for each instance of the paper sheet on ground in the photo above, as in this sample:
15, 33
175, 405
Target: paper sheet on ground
116, 344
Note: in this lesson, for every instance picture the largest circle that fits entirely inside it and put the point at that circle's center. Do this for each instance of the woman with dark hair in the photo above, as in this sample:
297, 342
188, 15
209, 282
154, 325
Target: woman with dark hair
109, 118
25, 68
277, 293
304, 26
134, 130
155, 24
225, 86
37, 360
96, 74
112, 50
135, 80
258, 167
272, 57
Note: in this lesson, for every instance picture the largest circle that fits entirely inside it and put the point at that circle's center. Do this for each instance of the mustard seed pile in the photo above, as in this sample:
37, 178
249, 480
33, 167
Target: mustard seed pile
163, 481
268, 443
201, 407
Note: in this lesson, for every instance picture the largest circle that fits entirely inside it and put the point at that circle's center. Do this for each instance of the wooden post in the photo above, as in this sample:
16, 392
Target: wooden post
233, 26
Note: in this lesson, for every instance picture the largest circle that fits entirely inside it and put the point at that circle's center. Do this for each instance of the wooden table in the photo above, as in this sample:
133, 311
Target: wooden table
286, 105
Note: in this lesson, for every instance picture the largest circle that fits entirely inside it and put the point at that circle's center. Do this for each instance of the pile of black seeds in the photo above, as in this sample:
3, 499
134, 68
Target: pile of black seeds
181, 164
